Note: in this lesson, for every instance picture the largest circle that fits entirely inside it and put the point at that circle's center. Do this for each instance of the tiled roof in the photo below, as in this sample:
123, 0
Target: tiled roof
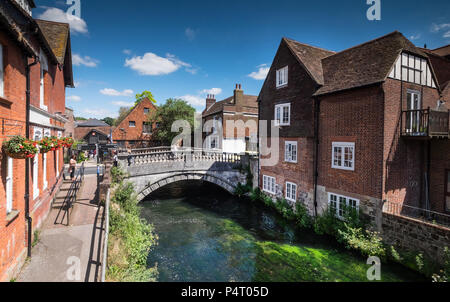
365, 64
57, 35
93, 123
441, 66
443, 51
310, 56
249, 101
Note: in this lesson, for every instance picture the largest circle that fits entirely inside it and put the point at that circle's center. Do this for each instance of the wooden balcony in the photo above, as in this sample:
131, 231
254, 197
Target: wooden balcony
425, 124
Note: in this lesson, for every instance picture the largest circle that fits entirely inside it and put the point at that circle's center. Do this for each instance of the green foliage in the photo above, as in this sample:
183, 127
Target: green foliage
79, 118
444, 274
36, 238
395, 255
302, 217
117, 175
284, 208
419, 262
144, 95
109, 120
242, 190
131, 239
123, 113
81, 158
256, 195
173, 110
366, 242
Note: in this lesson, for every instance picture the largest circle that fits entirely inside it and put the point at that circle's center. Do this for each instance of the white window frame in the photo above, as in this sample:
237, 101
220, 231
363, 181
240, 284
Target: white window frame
341, 165
282, 77
337, 200
289, 151
9, 185
280, 111
38, 133
43, 69
291, 191
57, 163
269, 184
44, 172
212, 138
2, 73
129, 124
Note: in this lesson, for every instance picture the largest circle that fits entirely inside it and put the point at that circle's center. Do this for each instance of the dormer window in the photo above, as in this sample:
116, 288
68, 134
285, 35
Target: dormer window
282, 77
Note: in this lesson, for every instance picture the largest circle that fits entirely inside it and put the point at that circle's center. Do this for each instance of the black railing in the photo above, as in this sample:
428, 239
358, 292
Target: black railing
425, 123
431, 217
71, 196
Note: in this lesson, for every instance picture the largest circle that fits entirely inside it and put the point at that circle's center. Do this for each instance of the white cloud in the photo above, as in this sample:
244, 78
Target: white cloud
113, 92
76, 84
261, 74
127, 51
87, 61
74, 98
194, 100
447, 34
415, 37
98, 113
438, 27
123, 104
215, 91
77, 25
152, 65
190, 33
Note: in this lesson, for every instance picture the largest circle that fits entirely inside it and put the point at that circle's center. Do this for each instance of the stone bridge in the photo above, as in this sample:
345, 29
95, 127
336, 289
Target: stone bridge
151, 169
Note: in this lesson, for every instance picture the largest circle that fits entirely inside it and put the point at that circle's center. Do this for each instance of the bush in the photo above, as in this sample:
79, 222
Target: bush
366, 242
131, 239
302, 217
284, 208
444, 274
256, 195
241, 190
117, 175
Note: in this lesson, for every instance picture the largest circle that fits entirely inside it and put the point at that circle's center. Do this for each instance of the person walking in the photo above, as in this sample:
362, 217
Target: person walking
116, 160
72, 167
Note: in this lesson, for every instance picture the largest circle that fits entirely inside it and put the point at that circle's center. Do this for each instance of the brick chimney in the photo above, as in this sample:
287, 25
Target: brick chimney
210, 100
238, 95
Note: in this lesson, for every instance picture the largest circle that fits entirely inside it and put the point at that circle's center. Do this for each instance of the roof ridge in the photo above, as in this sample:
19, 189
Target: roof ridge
371, 41
308, 45
53, 22
441, 47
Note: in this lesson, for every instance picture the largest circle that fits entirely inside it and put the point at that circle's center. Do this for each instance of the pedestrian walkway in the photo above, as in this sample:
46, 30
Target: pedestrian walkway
69, 253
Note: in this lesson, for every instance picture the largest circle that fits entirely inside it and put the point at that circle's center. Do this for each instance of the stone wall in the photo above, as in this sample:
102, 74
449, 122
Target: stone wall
414, 235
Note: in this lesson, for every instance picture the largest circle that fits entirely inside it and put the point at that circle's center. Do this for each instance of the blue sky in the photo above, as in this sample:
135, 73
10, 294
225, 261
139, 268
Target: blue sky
190, 48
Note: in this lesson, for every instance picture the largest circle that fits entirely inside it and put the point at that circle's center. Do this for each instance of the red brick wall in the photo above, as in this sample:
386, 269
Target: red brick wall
354, 116
138, 116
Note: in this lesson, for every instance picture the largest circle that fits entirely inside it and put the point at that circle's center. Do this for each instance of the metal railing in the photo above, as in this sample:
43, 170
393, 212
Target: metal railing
71, 196
425, 123
424, 215
105, 242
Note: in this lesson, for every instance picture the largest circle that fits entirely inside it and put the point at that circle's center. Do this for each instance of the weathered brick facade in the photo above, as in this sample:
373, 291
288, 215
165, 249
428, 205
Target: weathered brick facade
47, 119
127, 135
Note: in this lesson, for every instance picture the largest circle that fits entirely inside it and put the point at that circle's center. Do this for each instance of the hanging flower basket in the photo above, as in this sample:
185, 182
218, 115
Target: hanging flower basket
47, 145
20, 148
67, 142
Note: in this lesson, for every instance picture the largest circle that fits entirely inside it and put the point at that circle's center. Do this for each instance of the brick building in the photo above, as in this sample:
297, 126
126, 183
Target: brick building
92, 131
373, 124
134, 130
233, 123
39, 51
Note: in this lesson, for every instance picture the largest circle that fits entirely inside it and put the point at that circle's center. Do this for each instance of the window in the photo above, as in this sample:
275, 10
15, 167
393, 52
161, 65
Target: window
341, 204
44, 171
291, 191
132, 124
37, 137
44, 69
2, 93
146, 110
343, 156
9, 185
283, 115
290, 150
282, 77
147, 128
414, 119
269, 184
213, 142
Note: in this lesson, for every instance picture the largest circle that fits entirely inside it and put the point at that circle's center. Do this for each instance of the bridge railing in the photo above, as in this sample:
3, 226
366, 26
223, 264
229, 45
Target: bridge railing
180, 156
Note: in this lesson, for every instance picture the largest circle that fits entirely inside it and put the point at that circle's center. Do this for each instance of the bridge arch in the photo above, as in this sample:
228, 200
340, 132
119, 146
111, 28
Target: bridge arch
211, 177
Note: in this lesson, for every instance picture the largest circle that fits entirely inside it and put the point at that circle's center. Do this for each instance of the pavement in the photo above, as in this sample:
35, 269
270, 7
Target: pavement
69, 253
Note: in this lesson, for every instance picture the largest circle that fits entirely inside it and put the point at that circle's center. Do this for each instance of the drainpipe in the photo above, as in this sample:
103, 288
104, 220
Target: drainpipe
27, 161
316, 152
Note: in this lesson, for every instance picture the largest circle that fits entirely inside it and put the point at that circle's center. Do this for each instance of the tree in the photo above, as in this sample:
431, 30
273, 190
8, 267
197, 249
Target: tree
165, 115
123, 112
145, 94
109, 120
80, 118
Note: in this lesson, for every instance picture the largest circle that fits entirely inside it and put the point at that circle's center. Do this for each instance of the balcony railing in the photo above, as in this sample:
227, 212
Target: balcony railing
425, 123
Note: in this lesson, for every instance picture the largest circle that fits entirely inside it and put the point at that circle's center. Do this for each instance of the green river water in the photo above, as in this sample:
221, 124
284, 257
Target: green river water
208, 235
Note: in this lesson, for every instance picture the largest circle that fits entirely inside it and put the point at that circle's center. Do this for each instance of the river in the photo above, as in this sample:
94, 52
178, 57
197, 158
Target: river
206, 234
